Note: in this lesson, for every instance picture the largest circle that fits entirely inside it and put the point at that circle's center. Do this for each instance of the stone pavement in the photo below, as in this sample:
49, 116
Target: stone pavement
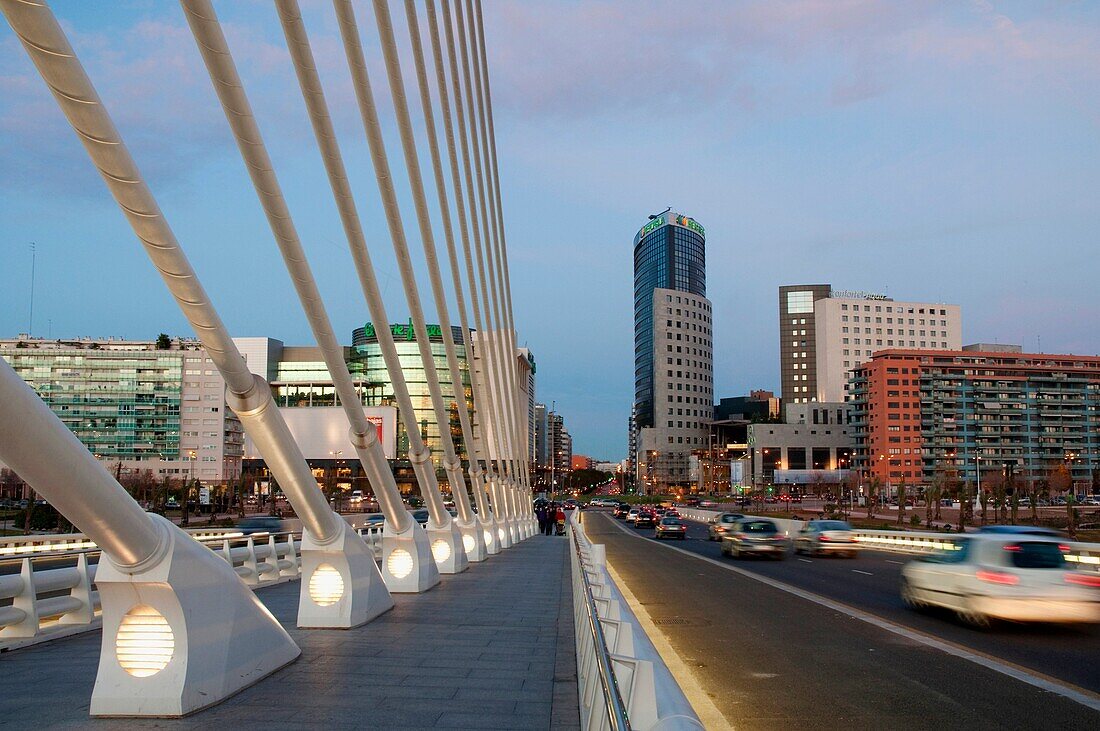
491, 648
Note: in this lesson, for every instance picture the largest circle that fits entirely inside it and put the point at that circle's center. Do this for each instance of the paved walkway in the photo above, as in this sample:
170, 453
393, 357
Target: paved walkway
491, 648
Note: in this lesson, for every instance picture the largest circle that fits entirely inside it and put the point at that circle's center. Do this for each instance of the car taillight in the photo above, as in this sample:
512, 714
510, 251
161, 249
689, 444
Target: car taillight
825, 539
1083, 579
1064, 548
1013, 547
997, 577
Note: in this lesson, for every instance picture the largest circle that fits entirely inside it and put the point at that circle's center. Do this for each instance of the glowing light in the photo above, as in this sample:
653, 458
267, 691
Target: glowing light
326, 586
441, 550
468, 543
144, 643
488, 538
500, 534
399, 563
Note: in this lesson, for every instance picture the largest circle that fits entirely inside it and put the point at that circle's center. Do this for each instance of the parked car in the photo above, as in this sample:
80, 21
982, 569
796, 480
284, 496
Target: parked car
645, 519
420, 515
1020, 577
755, 536
260, 524
720, 524
819, 537
670, 528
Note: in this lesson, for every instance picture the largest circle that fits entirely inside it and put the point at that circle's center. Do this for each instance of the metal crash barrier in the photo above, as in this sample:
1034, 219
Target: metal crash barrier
622, 682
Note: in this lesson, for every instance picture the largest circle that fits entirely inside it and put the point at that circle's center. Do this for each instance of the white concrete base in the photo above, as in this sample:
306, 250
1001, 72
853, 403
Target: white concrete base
504, 533
447, 550
214, 635
489, 533
407, 563
353, 595
473, 540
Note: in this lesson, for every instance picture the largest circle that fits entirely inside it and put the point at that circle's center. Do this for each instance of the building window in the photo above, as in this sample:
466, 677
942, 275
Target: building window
799, 302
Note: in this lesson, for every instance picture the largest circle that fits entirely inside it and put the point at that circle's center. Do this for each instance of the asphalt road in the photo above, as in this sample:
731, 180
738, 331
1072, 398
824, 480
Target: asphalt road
769, 659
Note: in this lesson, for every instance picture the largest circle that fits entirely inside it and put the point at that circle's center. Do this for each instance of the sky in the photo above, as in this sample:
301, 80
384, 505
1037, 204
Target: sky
944, 151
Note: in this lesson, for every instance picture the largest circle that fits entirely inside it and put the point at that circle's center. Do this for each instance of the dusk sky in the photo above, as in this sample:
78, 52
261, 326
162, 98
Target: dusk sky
942, 151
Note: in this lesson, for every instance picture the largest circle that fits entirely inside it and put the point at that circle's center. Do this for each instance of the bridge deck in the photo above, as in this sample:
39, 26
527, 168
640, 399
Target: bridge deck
489, 648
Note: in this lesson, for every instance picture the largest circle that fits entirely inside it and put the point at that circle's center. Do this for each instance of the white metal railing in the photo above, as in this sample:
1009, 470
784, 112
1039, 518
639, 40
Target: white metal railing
622, 682
38, 604
1085, 555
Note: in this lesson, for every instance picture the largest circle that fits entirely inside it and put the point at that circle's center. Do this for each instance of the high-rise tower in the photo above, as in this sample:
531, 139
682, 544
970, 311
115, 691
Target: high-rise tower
673, 357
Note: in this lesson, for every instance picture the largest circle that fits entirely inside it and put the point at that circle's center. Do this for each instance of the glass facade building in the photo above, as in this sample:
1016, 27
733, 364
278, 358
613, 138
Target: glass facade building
137, 405
669, 253
369, 369
119, 404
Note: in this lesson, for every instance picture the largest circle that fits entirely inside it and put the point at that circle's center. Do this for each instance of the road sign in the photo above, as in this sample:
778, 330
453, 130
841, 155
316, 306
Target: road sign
204, 496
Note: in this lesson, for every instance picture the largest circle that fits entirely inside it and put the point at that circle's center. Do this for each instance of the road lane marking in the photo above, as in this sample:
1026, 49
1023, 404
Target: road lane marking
865, 573
704, 707
899, 563
1031, 677
805, 560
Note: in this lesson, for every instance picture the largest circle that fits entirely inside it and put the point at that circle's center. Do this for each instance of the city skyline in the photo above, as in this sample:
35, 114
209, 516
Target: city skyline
959, 137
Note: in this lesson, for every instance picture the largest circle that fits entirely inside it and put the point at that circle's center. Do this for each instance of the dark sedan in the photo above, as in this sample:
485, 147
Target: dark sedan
645, 519
670, 528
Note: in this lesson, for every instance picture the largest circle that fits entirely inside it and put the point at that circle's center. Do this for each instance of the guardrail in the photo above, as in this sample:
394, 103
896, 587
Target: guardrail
43, 604
622, 682
1085, 555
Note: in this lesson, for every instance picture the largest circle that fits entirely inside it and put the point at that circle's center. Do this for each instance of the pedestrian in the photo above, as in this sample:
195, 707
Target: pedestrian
559, 519
540, 514
551, 511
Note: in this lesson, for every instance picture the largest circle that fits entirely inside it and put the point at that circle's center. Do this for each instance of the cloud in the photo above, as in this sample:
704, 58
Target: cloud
597, 58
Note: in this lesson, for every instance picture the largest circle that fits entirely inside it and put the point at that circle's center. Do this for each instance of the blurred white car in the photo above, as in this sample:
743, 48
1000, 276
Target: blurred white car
1020, 578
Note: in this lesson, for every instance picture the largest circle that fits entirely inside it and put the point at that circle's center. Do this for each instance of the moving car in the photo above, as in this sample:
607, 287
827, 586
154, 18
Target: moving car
755, 536
670, 528
260, 524
645, 519
621, 510
819, 537
1020, 578
632, 514
720, 524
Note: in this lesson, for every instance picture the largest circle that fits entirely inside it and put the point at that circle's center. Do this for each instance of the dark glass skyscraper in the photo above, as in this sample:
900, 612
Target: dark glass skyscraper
669, 253
673, 387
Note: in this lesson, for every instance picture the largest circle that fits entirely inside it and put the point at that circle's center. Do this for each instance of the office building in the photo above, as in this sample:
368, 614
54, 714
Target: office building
673, 357
918, 414
825, 333
137, 405
757, 406
523, 366
561, 448
303, 389
542, 449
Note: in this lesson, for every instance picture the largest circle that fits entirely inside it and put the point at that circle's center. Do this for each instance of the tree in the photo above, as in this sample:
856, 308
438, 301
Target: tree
164, 342
873, 486
901, 501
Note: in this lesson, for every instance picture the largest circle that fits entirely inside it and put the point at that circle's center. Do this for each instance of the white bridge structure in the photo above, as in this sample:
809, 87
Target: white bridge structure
181, 628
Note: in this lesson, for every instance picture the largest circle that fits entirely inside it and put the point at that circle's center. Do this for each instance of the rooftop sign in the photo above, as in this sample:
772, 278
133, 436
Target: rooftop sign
670, 219
404, 331
851, 294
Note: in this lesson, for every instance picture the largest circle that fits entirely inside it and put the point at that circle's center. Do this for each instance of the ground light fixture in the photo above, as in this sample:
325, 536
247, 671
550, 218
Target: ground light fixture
441, 550
469, 543
326, 586
144, 643
400, 563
